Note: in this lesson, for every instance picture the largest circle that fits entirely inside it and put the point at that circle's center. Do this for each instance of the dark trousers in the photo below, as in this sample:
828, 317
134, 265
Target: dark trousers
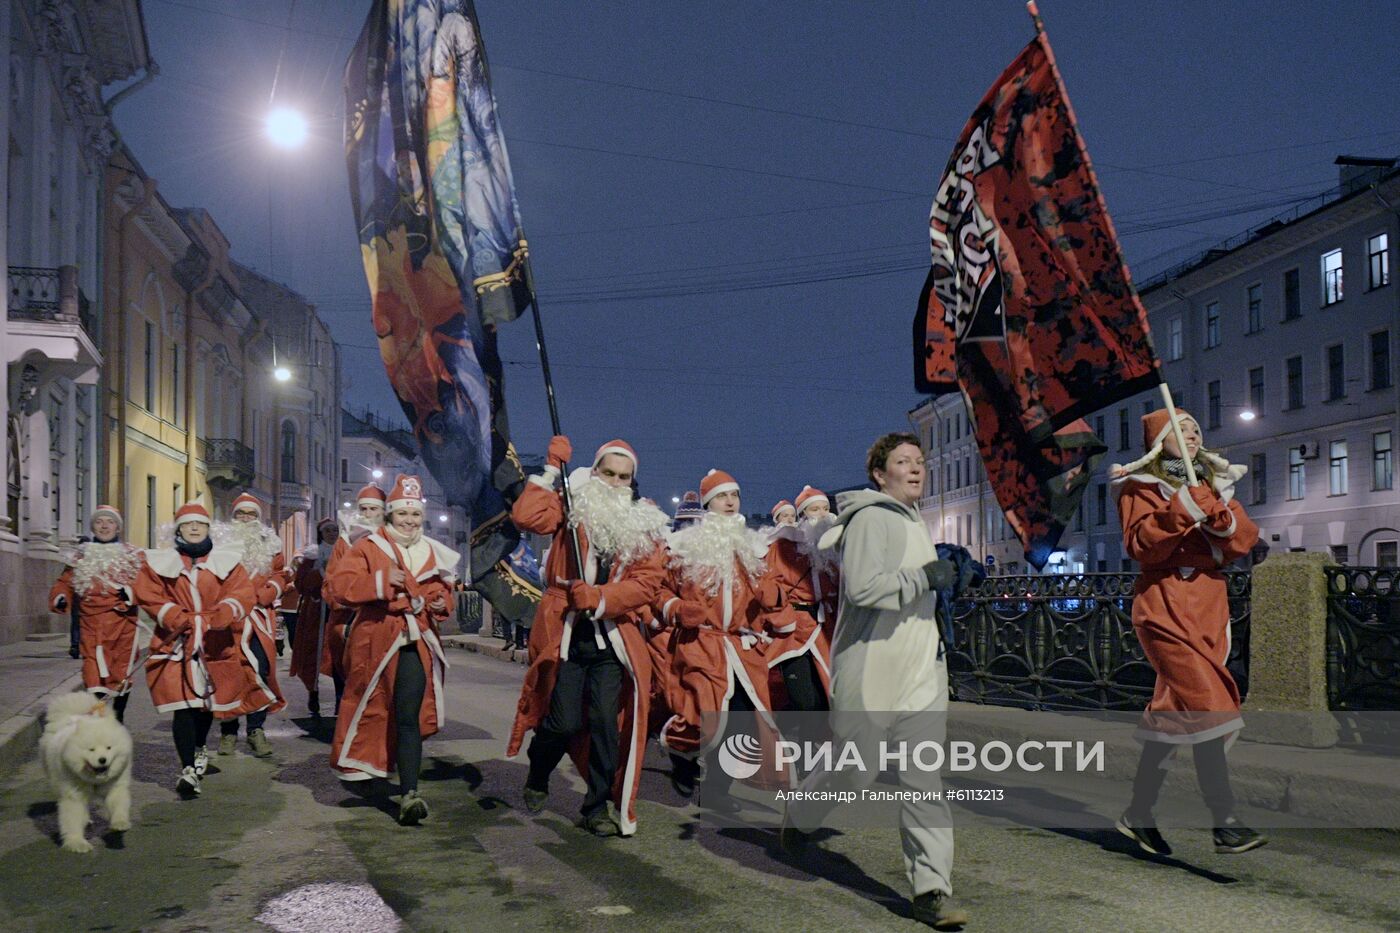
255, 720
75, 628
410, 686
590, 679
1212, 774
289, 622
717, 782
191, 730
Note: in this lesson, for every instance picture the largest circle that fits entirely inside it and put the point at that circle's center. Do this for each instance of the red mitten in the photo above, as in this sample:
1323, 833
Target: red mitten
691, 615
1203, 496
584, 597
223, 616
560, 452
1220, 518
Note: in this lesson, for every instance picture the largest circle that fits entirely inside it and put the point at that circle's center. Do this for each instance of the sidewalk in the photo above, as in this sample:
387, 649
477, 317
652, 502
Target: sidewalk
29, 672
1334, 784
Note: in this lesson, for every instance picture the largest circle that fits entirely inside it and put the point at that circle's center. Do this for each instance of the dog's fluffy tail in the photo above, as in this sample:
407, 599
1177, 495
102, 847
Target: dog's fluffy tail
67, 705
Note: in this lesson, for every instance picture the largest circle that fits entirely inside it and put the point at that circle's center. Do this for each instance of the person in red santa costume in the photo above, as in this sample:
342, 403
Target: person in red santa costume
717, 593
399, 583
588, 687
367, 519
98, 579
191, 590
240, 657
1183, 535
783, 514
801, 651
309, 640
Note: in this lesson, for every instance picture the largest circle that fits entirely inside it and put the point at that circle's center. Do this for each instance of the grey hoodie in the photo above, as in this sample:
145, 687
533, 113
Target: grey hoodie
885, 652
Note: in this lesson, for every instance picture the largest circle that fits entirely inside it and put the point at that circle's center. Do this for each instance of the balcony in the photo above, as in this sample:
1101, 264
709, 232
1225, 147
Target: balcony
296, 497
228, 462
50, 323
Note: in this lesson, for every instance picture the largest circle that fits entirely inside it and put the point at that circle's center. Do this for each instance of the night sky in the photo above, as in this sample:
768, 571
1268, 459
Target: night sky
727, 203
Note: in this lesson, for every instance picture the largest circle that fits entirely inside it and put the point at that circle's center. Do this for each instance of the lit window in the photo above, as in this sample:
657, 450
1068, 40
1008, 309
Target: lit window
1331, 277
1382, 466
1378, 261
1337, 468
1297, 478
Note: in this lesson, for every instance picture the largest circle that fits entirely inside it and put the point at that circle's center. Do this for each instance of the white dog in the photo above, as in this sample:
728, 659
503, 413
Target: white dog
86, 754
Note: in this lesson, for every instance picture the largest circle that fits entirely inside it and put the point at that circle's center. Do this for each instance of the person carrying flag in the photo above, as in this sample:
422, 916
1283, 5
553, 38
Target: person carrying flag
1183, 535
588, 685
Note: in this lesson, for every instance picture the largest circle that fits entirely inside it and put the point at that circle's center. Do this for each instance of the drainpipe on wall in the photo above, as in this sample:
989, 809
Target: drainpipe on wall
1395, 331
191, 415
120, 365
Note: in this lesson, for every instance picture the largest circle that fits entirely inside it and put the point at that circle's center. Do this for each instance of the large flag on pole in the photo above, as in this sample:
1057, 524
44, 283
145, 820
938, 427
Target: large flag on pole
1028, 309
442, 244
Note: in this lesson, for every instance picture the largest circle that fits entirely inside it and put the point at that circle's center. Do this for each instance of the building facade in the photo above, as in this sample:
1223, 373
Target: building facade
1282, 343
375, 451
60, 55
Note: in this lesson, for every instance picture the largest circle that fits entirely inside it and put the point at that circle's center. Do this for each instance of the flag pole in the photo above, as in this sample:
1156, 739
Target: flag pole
554, 421
1044, 39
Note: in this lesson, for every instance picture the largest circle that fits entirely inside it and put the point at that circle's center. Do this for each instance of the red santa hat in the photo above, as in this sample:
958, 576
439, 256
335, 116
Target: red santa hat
617, 446
407, 493
247, 500
1156, 425
809, 496
782, 506
714, 483
192, 511
370, 495
107, 511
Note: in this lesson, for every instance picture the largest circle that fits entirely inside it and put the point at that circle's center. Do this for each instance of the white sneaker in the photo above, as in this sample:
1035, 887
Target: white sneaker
201, 760
188, 785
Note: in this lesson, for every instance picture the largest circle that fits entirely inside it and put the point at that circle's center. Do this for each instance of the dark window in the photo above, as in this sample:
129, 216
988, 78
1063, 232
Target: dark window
1148, 405
345, 471
178, 388
1295, 382
1339, 553
1259, 479
1099, 428
1331, 277
1256, 390
1213, 324
1124, 442
1378, 261
1336, 373
150, 368
1386, 553
1382, 466
1380, 360
1254, 297
1101, 504
1292, 296
289, 452
1174, 341
1213, 403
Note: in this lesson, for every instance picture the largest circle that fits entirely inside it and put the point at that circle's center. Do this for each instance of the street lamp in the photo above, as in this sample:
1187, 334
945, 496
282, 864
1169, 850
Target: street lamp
377, 474
282, 374
1247, 415
442, 518
286, 128
675, 500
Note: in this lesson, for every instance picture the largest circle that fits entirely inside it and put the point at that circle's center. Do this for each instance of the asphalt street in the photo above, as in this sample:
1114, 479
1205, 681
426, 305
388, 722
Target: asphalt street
281, 844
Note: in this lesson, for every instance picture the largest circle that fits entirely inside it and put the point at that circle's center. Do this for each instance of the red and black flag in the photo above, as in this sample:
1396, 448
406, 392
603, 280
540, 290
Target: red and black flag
1028, 308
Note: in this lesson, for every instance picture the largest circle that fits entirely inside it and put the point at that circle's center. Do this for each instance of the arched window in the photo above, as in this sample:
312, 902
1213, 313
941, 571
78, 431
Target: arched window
289, 452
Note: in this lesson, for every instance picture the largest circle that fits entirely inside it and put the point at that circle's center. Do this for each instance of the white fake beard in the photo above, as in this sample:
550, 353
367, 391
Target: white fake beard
706, 552
113, 561
624, 529
812, 529
258, 544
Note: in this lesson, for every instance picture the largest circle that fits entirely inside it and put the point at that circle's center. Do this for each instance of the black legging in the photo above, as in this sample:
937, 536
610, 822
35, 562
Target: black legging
1212, 774
119, 706
191, 730
255, 720
410, 684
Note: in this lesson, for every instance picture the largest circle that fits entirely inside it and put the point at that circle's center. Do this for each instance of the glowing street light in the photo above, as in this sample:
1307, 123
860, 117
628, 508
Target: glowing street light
282, 374
1247, 415
287, 128
675, 500
345, 505
377, 474
442, 518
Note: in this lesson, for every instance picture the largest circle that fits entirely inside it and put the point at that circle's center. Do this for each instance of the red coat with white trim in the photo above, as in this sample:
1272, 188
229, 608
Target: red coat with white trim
388, 619
629, 590
188, 599
338, 615
1181, 608
107, 619
239, 688
795, 630
718, 649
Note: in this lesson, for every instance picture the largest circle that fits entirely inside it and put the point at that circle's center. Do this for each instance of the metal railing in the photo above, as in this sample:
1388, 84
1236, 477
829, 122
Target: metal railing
38, 294
1066, 642
1363, 638
228, 453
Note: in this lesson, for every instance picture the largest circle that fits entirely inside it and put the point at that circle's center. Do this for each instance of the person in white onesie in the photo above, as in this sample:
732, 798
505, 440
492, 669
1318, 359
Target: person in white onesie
889, 677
